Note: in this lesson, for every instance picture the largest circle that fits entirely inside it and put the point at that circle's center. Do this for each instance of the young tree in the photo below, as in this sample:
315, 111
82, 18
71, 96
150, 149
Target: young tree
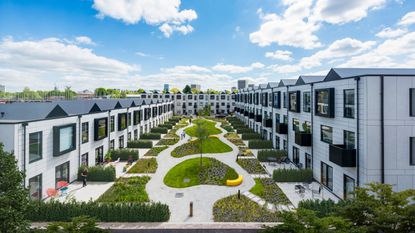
13, 196
100, 91
140, 91
202, 135
187, 90
174, 90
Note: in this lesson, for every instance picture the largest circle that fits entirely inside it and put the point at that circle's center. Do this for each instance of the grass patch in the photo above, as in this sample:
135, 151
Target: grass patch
127, 190
211, 172
144, 166
155, 151
252, 166
210, 126
269, 191
232, 209
211, 145
167, 141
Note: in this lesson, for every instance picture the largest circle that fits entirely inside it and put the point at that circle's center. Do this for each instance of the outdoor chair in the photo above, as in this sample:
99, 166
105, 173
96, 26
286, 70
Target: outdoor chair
316, 191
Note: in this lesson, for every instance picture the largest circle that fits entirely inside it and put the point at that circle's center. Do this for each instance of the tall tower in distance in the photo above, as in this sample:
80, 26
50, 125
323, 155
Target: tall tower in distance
242, 83
166, 87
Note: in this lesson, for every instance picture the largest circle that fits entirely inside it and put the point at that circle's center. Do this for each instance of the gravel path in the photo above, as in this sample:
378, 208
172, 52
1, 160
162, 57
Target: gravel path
202, 196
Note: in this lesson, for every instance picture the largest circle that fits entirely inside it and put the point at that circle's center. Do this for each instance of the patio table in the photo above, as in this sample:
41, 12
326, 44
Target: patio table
300, 188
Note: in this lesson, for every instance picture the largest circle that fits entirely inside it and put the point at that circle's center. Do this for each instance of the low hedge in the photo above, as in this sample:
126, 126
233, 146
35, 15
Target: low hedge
259, 144
244, 130
264, 155
159, 129
151, 136
140, 144
98, 173
228, 128
293, 175
250, 136
167, 125
322, 208
104, 212
123, 154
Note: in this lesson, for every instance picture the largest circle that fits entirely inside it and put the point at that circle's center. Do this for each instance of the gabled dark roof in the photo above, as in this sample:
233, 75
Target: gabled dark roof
340, 73
118, 105
57, 111
95, 108
272, 85
287, 82
306, 79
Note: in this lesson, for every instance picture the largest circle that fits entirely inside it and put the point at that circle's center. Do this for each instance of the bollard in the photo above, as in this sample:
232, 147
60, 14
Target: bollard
191, 209
239, 194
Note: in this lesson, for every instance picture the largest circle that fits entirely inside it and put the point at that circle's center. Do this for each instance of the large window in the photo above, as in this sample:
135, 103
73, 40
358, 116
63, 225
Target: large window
130, 122
412, 151
325, 102
411, 101
122, 121
35, 188
308, 161
62, 173
294, 101
285, 100
112, 144
349, 139
64, 139
35, 146
296, 155
285, 145
306, 101
296, 125
99, 155
327, 175
84, 159
349, 186
348, 107
121, 142
101, 128
277, 99
112, 123
85, 132
326, 134
277, 142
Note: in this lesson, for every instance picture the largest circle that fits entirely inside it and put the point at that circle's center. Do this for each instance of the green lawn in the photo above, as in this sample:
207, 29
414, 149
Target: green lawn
210, 126
269, 191
211, 145
190, 173
127, 190
144, 166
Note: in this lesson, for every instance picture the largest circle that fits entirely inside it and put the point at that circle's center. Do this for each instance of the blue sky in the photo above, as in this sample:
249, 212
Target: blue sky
130, 44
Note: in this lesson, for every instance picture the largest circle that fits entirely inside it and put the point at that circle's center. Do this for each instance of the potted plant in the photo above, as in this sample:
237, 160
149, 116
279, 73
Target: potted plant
108, 157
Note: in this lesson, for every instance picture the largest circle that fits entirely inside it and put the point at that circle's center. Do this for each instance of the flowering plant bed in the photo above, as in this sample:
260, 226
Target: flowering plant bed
252, 166
144, 166
127, 190
269, 191
155, 150
210, 145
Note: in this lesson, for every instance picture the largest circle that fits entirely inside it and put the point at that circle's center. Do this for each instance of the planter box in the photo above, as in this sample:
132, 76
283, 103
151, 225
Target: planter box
342, 156
281, 128
303, 139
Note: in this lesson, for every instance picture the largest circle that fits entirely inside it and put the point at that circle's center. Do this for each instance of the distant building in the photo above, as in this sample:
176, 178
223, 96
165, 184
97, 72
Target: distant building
195, 86
251, 85
166, 87
2, 88
242, 84
85, 94
233, 89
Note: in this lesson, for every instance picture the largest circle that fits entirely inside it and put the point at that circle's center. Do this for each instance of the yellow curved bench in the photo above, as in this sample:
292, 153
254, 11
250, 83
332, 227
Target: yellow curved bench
235, 182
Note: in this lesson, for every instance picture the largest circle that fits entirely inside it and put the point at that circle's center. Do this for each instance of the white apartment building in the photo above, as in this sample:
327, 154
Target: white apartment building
51, 140
351, 126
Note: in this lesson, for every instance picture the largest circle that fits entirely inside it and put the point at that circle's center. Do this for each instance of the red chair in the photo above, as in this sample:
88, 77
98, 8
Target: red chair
51, 192
61, 184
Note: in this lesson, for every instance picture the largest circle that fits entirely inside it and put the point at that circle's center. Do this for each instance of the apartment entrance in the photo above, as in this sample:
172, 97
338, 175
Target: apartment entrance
62, 173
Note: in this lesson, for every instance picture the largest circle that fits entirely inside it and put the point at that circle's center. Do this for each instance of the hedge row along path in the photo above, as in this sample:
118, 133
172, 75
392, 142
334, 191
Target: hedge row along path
202, 196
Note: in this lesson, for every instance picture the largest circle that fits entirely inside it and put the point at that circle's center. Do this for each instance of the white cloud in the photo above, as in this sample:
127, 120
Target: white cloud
185, 69
154, 12
285, 68
340, 12
235, 69
283, 55
84, 40
391, 33
142, 54
407, 19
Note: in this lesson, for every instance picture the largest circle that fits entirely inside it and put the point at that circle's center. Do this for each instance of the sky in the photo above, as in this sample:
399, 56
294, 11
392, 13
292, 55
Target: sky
131, 44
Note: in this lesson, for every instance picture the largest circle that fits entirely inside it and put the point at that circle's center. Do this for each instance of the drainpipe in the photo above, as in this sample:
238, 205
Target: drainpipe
79, 140
288, 120
382, 131
24, 152
357, 134
312, 124
109, 128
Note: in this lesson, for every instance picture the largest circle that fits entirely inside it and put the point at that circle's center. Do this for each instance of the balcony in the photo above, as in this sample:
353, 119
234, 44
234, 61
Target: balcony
303, 138
267, 123
342, 156
281, 128
251, 115
258, 118
246, 113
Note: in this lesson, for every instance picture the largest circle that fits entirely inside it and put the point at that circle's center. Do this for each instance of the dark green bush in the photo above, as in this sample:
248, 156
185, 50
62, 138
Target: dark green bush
123, 154
228, 128
98, 173
159, 129
263, 155
322, 208
104, 212
140, 144
259, 144
250, 136
244, 131
293, 175
151, 136
168, 125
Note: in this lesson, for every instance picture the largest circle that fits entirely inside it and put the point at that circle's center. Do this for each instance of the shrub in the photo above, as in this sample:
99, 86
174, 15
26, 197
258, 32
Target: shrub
228, 128
260, 144
322, 208
250, 136
252, 166
151, 136
264, 155
127, 190
244, 130
140, 144
167, 141
159, 129
144, 166
155, 151
123, 154
168, 125
98, 173
293, 175
104, 212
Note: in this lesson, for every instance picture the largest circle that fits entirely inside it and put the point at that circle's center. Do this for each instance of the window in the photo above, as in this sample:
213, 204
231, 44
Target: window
277, 118
136, 134
285, 99
222, 97
99, 154
277, 142
85, 132
284, 144
112, 144
129, 120
306, 101
129, 136
296, 125
35, 188
122, 121
348, 186
326, 134
190, 104
327, 175
294, 101
285, 119
189, 97
62, 173
35, 146
412, 151
112, 123
348, 138
179, 97
277, 99
121, 142
308, 161
200, 97
64, 139
84, 159
101, 128
325, 102
296, 155
348, 103
137, 117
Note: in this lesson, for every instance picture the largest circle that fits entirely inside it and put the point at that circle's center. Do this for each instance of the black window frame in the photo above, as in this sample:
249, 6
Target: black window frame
40, 148
39, 189
330, 103
277, 99
411, 155
56, 139
297, 107
345, 115
97, 137
121, 116
112, 123
308, 164
296, 155
345, 194
327, 184
306, 104
348, 133
321, 134
83, 132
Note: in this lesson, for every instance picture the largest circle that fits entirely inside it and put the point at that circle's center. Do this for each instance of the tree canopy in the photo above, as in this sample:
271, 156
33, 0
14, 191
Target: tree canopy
187, 90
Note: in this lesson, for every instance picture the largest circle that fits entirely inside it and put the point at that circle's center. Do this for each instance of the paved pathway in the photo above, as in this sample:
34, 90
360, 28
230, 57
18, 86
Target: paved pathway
202, 196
